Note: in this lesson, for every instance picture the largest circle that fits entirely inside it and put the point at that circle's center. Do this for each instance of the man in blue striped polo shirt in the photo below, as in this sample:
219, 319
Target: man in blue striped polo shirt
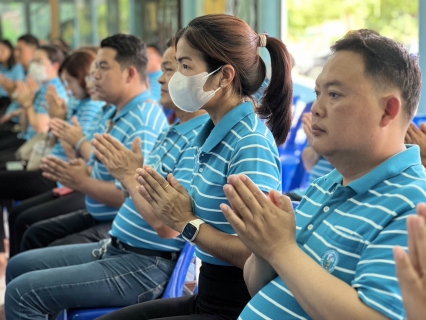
135, 224
333, 259
97, 274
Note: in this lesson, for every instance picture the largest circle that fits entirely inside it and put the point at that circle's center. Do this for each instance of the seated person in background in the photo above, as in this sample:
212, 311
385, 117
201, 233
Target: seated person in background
170, 153
31, 97
333, 259
24, 54
411, 268
87, 113
417, 136
313, 162
155, 57
10, 72
135, 264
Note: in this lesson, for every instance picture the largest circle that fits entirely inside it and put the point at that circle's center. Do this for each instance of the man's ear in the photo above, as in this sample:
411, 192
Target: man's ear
392, 108
56, 65
132, 73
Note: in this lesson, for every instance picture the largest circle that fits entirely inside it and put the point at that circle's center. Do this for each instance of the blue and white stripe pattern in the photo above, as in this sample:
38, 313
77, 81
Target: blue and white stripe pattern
88, 113
141, 117
40, 102
172, 153
239, 144
15, 73
350, 231
321, 168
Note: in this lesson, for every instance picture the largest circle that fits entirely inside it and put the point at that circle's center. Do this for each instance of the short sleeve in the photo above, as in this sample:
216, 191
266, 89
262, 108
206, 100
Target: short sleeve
375, 278
257, 158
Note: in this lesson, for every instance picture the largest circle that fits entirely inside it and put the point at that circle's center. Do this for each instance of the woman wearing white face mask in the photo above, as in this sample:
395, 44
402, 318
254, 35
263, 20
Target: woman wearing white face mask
219, 70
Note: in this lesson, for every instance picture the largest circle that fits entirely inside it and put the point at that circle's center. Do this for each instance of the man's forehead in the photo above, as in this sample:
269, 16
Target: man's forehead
106, 54
341, 69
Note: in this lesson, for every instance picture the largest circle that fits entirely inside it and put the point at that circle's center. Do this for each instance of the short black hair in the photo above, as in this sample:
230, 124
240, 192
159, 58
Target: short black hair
156, 48
29, 39
387, 63
11, 61
54, 53
131, 51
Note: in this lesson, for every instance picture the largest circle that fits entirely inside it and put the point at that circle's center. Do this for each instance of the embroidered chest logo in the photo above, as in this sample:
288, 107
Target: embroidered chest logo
329, 260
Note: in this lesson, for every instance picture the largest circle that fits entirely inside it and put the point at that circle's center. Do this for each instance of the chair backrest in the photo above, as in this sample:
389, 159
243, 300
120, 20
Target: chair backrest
174, 288
176, 283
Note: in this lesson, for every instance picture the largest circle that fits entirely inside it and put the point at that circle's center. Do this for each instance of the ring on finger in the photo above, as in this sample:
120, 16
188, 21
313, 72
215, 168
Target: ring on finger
166, 186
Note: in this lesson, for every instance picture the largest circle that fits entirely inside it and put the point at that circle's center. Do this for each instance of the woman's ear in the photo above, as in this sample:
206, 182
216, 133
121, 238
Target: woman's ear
228, 75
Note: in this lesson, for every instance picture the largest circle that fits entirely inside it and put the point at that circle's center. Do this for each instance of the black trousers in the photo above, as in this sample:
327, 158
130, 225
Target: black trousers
71, 228
44, 206
222, 295
10, 141
21, 185
4, 103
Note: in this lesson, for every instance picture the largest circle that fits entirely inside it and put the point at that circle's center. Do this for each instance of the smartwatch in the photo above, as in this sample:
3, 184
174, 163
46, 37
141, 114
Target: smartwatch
189, 233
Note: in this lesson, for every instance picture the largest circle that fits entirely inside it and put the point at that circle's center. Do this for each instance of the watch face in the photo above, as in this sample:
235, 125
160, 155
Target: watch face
189, 232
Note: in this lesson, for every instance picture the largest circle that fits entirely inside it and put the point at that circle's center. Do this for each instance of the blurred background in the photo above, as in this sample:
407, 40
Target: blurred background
308, 27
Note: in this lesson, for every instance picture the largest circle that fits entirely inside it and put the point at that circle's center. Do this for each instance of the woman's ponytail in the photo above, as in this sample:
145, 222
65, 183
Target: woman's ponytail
278, 97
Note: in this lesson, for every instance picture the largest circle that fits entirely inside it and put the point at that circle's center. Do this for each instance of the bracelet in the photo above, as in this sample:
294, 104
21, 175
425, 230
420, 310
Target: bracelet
79, 144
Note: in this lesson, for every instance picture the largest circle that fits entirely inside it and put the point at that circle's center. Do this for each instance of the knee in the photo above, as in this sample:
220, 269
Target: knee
17, 266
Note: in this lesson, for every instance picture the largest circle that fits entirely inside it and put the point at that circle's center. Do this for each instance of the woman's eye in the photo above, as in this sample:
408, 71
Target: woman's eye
185, 66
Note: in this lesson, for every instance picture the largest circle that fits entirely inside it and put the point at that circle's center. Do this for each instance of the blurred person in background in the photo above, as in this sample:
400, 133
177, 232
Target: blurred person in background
10, 72
24, 53
87, 115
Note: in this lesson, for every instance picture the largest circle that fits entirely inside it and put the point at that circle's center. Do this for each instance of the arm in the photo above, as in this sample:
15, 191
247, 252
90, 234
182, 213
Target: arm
76, 175
40, 122
102, 191
122, 164
267, 227
173, 206
257, 274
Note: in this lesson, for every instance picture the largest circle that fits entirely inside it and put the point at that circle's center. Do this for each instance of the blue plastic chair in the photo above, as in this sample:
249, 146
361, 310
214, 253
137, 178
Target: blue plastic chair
174, 288
418, 120
291, 151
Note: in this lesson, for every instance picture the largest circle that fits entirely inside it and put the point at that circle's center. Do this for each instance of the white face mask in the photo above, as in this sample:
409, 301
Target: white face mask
187, 91
38, 72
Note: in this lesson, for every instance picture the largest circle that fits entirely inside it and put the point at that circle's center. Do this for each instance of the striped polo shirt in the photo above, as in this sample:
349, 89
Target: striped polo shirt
172, 153
15, 73
141, 117
239, 144
350, 231
40, 102
88, 113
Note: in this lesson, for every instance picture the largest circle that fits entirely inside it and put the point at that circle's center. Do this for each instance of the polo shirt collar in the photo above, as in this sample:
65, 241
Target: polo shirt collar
186, 127
210, 135
138, 100
388, 169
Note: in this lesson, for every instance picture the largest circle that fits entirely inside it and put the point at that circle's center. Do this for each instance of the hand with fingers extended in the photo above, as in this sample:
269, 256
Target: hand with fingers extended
9, 116
72, 174
266, 224
56, 107
71, 133
169, 199
411, 268
25, 92
417, 136
120, 161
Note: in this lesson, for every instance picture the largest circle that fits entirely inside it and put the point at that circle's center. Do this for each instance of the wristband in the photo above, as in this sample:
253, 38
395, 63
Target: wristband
79, 144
